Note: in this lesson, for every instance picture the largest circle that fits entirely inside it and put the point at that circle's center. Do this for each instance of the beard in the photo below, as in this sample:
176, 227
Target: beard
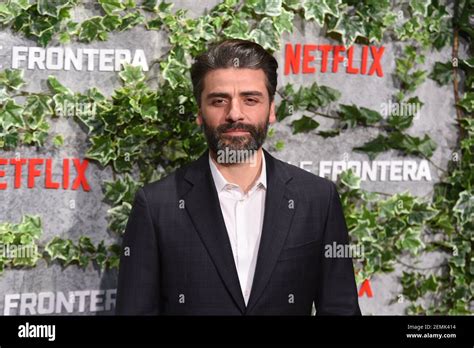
218, 141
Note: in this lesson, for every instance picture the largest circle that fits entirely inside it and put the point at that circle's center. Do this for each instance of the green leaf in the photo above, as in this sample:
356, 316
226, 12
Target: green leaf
58, 140
102, 149
464, 208
119, 216
11, 115
373, 147
413, 145
267, 7
284, 22
57, 87
282, 111
91, 29
420, 7
410, 241
51, 8
442, 73
349, 179
131, 20
85, 245
304, 125
353, 115
111, 6
12, 78
132, 75
121, 190
317, 10
265, 35
150, 5
173, 150
111, 22
467, 102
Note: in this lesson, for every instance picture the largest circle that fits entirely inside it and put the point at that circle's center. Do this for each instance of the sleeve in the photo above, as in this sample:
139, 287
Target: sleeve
336, 292
138, 278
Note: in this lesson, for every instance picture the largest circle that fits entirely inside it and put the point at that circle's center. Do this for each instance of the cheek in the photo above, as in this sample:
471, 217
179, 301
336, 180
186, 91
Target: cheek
257, 112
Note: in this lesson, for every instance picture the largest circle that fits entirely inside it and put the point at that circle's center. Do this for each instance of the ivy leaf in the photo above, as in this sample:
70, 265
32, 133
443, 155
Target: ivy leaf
11, 115
132, 75
464, 208
442, 73
51, 8
284, 22
349, 179
267, 7
12, 78
57, 87
3, 95
420, 7
58, 140
121, 190
402, 115
102, 149
37, 107
118, 217
91, 29
329, 133
410, 241
111, 22
304, 124
150, 5
413, 145
173, 150
353, 115
348, 27
265, 35
58, 248
282, 111
317, 10
467, 102
111, 6
131, 20
374, 147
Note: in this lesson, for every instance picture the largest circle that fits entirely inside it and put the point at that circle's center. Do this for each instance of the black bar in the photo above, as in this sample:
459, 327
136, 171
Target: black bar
224, 330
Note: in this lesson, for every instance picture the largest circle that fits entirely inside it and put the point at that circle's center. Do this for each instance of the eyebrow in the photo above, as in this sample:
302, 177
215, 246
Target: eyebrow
227, 95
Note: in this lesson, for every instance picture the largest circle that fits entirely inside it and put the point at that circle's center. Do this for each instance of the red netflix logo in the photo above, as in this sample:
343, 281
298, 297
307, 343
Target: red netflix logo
37, 167
298, 59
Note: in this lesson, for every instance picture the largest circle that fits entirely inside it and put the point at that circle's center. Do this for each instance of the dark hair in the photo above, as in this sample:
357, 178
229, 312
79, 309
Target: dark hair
234, 53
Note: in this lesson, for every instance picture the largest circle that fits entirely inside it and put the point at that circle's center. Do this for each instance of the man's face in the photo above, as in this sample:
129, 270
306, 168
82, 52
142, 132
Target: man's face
235, 109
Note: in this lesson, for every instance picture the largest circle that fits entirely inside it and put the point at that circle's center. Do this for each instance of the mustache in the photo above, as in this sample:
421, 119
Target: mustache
236, 126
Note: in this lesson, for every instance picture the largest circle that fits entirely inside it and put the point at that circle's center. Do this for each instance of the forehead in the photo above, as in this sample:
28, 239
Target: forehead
234, 79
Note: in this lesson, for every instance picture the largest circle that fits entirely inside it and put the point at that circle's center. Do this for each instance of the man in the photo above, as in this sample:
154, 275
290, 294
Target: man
236, 232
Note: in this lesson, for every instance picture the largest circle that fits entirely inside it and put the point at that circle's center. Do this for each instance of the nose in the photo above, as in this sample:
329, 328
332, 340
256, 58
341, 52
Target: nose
234, 113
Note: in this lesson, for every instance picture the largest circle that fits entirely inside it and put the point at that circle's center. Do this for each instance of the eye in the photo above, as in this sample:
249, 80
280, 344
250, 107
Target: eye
251, 101
218, 102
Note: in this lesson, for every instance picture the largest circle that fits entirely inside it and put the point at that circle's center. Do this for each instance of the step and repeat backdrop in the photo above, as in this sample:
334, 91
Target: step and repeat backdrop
95, 100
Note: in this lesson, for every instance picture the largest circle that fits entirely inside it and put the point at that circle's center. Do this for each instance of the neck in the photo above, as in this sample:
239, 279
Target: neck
243, 174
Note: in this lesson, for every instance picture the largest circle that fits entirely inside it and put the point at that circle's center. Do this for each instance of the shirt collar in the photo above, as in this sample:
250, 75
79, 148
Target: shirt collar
221, 182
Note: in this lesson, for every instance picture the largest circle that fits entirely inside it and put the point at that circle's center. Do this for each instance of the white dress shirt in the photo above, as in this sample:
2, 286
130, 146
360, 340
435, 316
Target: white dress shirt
243, 216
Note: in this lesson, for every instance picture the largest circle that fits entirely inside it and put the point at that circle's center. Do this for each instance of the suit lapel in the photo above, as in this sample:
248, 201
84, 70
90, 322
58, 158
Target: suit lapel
202, 204
279, 211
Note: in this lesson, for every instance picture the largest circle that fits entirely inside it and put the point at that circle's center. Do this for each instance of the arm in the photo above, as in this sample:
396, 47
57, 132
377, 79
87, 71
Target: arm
138, 288
336, 292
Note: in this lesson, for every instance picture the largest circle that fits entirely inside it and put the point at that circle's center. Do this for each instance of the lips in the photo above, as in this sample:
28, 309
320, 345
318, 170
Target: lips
236, 131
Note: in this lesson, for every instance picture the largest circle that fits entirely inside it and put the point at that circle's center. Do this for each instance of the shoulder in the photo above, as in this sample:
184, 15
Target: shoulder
305, 181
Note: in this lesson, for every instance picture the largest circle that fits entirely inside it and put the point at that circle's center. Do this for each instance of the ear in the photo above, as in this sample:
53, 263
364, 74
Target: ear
272, 116
199, 117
